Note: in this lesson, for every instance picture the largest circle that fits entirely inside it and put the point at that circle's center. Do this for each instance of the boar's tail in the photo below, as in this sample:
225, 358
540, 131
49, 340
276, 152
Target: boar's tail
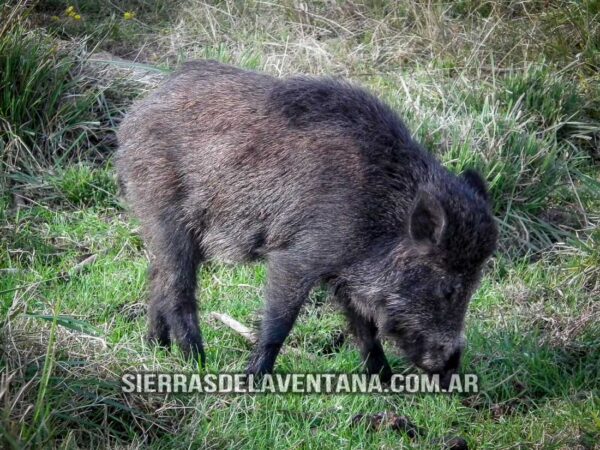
121, 190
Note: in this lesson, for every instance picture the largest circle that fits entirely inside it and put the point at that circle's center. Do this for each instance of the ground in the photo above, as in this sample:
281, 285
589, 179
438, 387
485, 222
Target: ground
510, 88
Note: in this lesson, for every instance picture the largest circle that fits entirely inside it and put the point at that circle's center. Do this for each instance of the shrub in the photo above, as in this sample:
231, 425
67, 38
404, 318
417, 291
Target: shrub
47, 109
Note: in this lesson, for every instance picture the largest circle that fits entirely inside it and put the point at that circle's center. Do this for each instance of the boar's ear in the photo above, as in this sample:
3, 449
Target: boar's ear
476, 183
427, 219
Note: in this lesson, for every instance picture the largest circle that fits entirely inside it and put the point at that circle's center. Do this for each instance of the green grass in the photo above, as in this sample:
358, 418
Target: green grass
41, 97
510, 88
522, 328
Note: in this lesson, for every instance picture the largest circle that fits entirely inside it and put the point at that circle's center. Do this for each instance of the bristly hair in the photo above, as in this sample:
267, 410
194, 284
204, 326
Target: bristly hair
308, 102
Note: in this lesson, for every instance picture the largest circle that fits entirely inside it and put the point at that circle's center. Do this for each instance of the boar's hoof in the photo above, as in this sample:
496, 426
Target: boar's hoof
160, 337
193, 349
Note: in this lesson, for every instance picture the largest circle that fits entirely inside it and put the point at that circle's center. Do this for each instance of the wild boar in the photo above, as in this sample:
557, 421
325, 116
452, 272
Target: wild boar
324, 182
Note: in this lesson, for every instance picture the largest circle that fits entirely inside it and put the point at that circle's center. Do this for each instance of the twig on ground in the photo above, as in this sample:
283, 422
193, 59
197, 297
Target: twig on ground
236, 326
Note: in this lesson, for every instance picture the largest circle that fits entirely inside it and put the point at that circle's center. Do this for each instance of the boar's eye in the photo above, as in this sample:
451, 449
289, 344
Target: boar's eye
448, 291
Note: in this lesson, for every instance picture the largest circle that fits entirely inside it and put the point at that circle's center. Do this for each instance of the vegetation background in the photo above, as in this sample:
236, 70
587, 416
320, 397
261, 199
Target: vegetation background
511, 88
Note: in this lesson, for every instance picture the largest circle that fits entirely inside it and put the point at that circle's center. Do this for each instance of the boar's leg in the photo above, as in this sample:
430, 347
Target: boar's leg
286, 291
173, 309
370, 347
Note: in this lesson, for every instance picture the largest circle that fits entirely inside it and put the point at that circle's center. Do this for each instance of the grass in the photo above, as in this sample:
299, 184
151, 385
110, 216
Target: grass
510, 88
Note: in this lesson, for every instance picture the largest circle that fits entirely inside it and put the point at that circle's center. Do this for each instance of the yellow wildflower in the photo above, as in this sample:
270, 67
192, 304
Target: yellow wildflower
128, 15
76, 17
70, 10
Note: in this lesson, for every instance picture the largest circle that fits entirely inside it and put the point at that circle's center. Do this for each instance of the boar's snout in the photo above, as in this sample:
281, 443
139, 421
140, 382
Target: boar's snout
444, 362
450, 368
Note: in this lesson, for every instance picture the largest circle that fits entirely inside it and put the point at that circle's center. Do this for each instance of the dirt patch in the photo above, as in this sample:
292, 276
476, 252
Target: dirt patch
387, 420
